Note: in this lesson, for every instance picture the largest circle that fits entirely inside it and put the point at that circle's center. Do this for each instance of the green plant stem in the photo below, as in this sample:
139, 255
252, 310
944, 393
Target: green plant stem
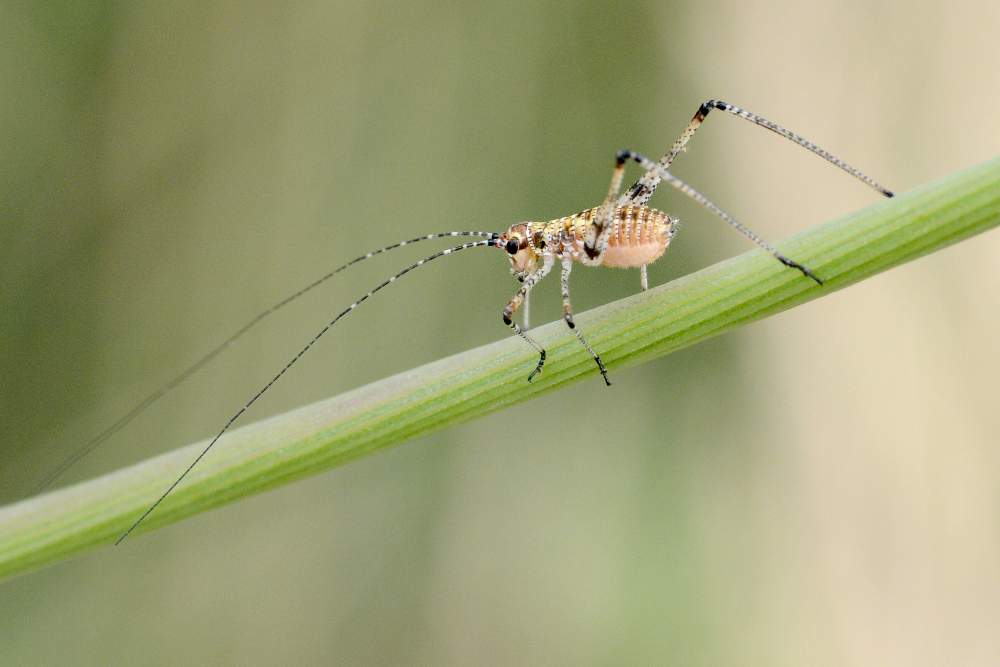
47, 528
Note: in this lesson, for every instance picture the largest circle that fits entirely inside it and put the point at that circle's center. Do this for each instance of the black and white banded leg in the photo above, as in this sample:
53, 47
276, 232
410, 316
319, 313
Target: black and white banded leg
600, 233
567, 266
704, 201
643, 189
515, 302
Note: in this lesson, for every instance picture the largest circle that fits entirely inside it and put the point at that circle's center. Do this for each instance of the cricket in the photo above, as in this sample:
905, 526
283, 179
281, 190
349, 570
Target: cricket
621, 232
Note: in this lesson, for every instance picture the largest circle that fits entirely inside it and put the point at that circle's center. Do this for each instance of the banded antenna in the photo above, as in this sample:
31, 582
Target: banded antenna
491, 241
191, 370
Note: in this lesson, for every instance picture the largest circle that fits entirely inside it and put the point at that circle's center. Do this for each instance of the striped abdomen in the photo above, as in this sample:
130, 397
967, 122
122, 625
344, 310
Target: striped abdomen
639, 234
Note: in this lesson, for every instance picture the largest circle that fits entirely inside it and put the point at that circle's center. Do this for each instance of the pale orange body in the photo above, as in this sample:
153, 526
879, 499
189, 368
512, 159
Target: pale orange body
639, 236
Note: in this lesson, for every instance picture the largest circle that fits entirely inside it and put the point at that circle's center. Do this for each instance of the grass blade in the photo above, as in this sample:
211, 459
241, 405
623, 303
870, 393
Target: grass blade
44, 529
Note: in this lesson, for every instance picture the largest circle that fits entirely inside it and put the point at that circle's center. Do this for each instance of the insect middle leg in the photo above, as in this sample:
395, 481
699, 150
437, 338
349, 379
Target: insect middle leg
518, 299
567, 266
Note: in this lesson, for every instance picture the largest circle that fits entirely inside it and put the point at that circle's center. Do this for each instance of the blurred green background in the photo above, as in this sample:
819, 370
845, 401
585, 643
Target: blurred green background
819, 488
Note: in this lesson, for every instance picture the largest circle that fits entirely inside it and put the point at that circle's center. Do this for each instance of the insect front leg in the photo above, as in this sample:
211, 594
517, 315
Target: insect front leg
567, 266
515, 303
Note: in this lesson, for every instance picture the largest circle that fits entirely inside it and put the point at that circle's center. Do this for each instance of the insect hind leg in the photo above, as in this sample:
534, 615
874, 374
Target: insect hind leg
688, 191
600, 229
643, 189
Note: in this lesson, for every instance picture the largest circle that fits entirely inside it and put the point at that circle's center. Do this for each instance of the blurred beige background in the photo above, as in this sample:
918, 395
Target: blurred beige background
821, 488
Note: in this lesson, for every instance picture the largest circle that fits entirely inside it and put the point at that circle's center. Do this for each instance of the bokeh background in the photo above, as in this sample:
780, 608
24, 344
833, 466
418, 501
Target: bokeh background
819, 488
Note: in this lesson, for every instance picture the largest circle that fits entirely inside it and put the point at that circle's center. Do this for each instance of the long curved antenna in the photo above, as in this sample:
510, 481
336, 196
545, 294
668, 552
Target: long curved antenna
141, 407
475, 244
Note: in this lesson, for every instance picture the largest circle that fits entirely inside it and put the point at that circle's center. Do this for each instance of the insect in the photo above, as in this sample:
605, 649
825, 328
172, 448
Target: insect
622, 232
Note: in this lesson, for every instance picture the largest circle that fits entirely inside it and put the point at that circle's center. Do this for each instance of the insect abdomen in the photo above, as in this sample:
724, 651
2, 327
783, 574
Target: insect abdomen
639, 235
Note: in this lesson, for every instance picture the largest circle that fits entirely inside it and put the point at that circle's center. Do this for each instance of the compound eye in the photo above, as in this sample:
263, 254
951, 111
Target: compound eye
513, 246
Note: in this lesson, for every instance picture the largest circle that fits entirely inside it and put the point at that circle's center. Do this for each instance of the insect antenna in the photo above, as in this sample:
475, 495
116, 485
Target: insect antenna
166, 388
491, 241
